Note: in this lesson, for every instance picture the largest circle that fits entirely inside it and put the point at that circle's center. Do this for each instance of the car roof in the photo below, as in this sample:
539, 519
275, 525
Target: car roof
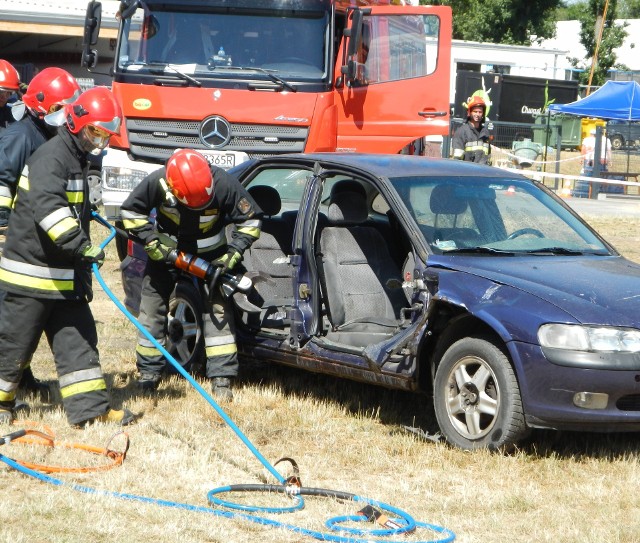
394, 165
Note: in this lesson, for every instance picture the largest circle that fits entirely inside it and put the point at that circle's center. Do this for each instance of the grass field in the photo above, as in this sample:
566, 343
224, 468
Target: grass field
565, 487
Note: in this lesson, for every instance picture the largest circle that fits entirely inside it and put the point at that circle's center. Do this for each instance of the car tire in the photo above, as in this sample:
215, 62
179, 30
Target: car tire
617, 142
477, 398
185, 341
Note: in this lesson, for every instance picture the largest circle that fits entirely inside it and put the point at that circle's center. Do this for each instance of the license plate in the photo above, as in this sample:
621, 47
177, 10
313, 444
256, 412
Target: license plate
222, 160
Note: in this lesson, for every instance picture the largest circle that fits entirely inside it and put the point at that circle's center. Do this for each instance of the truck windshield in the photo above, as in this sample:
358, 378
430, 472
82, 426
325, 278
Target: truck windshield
291, 44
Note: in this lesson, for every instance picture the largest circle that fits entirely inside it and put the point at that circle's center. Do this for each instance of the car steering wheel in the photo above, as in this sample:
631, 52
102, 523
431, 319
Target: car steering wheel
525, 231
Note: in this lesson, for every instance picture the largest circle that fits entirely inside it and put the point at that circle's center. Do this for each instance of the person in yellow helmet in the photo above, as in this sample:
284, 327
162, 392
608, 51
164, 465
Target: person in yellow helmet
471, 141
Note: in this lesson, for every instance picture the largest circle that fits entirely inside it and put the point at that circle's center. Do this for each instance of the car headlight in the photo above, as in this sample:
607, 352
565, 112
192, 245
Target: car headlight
575, 337
118, 178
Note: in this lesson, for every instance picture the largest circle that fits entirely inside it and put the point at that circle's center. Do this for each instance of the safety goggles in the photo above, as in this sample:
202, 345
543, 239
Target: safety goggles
57, 107
112, 126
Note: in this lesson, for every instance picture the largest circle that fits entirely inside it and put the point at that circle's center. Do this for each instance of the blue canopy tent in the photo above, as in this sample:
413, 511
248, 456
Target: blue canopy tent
614, 101
619, 100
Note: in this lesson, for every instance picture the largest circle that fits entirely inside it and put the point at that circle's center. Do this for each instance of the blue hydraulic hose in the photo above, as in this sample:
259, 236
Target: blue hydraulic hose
174, 362
404, 521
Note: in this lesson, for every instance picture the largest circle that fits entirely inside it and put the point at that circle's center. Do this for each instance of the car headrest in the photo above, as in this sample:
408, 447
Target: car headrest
347, 203
445, 201
267, 199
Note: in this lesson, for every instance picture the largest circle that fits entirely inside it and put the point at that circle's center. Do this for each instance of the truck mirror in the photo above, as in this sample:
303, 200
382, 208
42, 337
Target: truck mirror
92, 22
128, 8
354, 35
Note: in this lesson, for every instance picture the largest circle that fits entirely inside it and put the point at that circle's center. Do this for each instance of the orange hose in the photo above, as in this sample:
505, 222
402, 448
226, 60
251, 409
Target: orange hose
47, 439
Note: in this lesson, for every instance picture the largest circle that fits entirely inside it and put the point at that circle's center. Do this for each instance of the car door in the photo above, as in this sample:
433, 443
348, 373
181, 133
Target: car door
354, 267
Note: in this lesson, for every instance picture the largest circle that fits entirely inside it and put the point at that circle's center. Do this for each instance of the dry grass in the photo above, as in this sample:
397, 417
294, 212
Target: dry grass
558, 487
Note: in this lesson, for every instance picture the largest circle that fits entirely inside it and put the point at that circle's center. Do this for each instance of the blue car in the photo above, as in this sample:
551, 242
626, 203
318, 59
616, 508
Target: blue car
471, 284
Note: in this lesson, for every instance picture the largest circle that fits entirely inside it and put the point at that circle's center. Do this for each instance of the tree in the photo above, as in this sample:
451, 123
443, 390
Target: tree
502, 21
613, 36
629, 9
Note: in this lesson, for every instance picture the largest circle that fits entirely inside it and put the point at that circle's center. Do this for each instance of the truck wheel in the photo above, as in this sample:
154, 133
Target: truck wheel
476, 397
184, 327
617, 142
94, 179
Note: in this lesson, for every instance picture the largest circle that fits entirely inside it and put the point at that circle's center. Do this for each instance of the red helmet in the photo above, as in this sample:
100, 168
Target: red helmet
189, 178
9, 77
476, 101
49, 90
95, 107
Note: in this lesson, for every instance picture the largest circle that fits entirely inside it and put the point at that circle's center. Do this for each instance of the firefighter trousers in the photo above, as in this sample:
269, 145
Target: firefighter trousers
71, 332
158, 284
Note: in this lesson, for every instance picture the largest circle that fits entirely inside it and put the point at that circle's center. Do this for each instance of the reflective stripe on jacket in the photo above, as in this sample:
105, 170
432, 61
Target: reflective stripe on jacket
470, 144
17, 143
193, 231
50, 224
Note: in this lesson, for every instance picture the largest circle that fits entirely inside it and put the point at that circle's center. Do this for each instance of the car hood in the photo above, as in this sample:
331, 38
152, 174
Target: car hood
592, 289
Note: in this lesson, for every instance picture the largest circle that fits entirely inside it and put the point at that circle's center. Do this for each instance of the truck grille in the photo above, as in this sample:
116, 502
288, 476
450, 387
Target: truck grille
155, 141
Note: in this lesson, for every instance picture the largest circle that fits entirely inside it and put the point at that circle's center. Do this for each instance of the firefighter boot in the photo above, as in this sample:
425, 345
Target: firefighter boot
29, 383
122, 418
221, 389
148, 382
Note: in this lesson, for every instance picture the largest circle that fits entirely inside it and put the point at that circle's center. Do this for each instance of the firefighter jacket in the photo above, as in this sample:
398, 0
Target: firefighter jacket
49, 226
200, 232
471, 144
17, 144
6, 117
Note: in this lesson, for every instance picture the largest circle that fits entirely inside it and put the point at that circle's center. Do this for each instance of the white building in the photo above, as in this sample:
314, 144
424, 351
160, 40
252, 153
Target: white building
567, 39
544, 62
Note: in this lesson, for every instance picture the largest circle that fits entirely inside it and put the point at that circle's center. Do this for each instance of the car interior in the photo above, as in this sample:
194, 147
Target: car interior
360, 279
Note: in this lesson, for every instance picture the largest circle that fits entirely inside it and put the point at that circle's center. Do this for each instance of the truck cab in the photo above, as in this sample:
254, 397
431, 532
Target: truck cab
239, 79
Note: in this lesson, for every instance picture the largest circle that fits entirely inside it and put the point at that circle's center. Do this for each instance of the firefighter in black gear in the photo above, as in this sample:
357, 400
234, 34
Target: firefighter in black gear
9, 86
47, 92
194, 203
45, 267
471, 141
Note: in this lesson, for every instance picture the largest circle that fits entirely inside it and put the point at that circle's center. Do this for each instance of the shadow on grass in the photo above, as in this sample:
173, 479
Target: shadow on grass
394, 408
398, 409
579, 445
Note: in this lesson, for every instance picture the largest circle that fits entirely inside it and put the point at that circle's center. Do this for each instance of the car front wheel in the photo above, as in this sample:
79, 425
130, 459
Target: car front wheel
184, 327
476, 397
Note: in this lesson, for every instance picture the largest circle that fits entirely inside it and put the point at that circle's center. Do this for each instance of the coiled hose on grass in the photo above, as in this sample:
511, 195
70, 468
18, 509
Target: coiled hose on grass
401, 522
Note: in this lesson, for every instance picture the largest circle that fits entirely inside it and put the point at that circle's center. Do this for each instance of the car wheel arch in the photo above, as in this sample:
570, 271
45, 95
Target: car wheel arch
449, 325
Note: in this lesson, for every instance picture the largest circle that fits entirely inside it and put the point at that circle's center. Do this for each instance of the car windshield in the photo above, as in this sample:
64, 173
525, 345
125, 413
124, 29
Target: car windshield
209, 43
488, 216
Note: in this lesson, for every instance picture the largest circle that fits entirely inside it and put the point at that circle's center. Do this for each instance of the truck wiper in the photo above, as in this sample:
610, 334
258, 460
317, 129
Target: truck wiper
269, 73
162, 66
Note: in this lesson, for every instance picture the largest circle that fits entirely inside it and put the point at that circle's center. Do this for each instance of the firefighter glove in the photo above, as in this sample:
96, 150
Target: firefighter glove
92, 254
4, 216
157, 251
228, 260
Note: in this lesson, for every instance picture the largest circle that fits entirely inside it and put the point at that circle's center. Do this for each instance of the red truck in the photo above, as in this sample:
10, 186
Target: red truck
240, 79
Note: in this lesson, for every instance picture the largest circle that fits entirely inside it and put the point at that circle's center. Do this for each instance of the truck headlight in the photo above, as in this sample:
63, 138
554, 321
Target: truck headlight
119, 178
573, 337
